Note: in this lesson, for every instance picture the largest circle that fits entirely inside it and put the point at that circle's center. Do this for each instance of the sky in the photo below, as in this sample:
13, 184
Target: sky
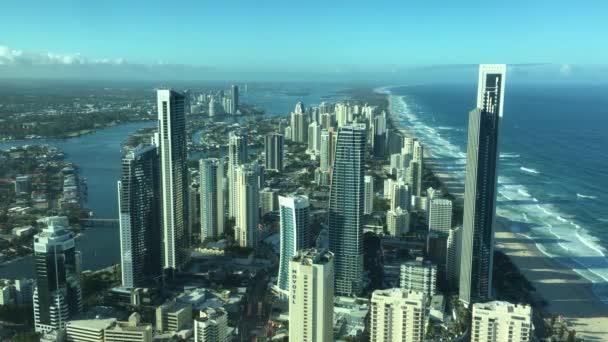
271, 38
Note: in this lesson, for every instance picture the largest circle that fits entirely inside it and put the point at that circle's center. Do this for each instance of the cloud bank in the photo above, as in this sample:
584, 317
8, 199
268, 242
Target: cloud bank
10, 56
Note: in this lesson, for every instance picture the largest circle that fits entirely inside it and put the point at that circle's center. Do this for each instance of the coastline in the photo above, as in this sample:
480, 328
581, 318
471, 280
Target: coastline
566, 292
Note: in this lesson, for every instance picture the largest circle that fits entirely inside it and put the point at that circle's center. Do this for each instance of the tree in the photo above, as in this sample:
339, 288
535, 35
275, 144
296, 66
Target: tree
571, 336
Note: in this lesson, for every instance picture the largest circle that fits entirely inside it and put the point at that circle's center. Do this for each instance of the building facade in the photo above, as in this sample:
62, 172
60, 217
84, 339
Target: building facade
311, 296
273, 148
139, 205
294, 233
440, 216
368, 182
211, 325
211, 173
501, 321
480, 186
248, 212
58, 294
419, 275
174, 176
397, 315
346, 204
237, 156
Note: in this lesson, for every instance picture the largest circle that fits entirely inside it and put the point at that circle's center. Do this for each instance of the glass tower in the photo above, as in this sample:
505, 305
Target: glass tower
346, 201
294, 234
480, 186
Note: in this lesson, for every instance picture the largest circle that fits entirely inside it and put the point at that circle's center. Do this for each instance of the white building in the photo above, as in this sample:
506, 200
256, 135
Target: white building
130, 331
397, 315
419, 276
400, 195
88, 330
501, 321
211, 326
237, 156
299, 127
440, 216
398, 222
368, 183
173, 316
314, 138
171, 137
248, 212
311, 296
269, 200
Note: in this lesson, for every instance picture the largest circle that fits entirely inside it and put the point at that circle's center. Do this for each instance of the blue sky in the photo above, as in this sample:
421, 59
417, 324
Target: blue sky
303, 36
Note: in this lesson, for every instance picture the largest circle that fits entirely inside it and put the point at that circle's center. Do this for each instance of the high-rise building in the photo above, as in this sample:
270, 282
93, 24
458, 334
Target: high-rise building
248, 212
327, 146
400, 195
379, 138
273, 148
211, 325
419, 275
501, 321
139, 206
294, 234
174, 174
237, 156
452, 264
368, 207
311, 296
211, 173
235, 97
408, 146
440, 216
397, 315
299, 127
398, 222
346, 201
480, 186
326, 120
58, 295
269, 201
314, 138
413, 176
342, 114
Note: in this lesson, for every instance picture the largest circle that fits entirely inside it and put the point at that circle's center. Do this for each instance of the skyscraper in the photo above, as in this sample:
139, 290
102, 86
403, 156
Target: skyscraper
139, 203
311, 297
369, 195
235, 97
400, 195
294, 234
501, 321
273, 148
58, 295
480, 186
211, 173
248, 212
174, 169
397, 315
299, 127
398, 222
346, 208
440, 216
314, 138
211, 325
237, 156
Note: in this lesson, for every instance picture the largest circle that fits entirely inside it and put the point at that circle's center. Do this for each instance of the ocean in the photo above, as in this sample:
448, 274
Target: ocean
553, 169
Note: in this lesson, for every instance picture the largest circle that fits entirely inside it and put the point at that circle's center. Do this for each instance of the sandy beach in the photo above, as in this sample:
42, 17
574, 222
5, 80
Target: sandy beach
565, 291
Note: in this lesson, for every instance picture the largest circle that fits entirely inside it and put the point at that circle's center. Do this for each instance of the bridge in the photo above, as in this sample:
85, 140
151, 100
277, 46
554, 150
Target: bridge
99, 222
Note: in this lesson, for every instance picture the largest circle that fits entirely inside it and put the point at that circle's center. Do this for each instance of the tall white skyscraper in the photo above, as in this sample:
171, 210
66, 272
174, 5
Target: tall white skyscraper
174, 169
57, 295
314, 138
299, 127
211, 173
440, 216
346, 201
311, 296
248, 213
139, 203
237, 156
294, 234
369, 195
501, 321
477, 253
397, 315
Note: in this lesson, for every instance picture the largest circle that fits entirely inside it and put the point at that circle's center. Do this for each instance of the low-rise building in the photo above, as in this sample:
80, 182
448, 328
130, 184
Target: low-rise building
173, 316
88, 330
130, 331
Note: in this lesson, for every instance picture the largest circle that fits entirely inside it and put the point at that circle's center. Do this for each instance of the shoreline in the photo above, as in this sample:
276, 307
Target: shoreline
566, 292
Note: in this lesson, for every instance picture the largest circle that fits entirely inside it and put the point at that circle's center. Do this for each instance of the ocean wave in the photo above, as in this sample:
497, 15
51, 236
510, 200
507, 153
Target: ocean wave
585, 196
525, 169
575, 246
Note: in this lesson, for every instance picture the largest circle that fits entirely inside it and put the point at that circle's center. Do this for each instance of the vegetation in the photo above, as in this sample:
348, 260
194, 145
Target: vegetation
17, 314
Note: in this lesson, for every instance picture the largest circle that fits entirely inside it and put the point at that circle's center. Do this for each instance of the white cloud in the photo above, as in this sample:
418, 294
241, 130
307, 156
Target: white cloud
565, 69
10, 56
